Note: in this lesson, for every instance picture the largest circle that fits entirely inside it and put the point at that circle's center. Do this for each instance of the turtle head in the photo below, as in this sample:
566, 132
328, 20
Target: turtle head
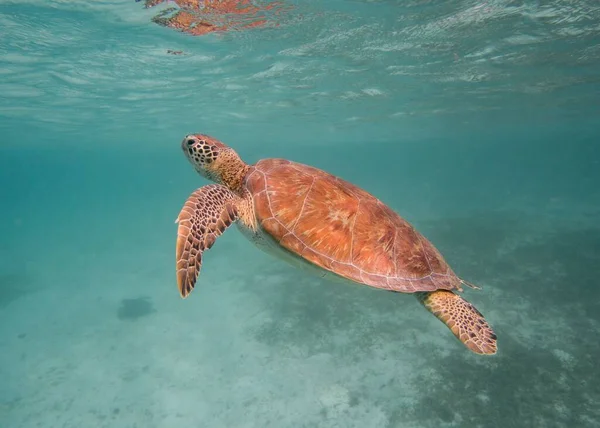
214, 160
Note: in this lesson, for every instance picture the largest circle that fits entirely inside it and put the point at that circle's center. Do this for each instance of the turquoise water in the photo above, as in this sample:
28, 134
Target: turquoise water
476, 121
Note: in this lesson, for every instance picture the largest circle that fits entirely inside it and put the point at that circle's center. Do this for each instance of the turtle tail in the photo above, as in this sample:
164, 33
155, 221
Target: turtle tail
462, 318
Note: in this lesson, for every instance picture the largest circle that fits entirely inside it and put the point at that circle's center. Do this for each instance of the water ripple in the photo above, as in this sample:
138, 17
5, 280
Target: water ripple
347, 61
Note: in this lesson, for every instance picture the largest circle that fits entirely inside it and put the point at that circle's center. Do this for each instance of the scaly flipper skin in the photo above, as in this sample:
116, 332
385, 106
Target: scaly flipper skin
204, 217
461, 317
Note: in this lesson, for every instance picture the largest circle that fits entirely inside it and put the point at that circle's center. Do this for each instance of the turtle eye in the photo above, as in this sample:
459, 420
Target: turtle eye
190, 142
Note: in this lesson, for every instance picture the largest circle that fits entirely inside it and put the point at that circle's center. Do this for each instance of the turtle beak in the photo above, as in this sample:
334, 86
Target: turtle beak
188, 142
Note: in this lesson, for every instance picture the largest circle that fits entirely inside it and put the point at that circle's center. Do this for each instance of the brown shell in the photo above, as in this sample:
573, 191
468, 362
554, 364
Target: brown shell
344, 229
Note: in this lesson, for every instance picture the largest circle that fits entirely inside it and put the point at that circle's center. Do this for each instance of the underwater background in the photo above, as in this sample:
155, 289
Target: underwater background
478, 121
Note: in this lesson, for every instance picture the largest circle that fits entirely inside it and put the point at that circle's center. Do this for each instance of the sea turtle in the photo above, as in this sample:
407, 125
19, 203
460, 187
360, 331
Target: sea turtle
313, 219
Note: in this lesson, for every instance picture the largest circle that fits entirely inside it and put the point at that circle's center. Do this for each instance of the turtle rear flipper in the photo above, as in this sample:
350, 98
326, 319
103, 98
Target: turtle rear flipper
461, 317
204, 217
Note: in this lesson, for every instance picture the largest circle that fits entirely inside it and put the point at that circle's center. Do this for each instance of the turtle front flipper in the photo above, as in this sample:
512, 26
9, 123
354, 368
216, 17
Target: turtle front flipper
204, 217
461, 317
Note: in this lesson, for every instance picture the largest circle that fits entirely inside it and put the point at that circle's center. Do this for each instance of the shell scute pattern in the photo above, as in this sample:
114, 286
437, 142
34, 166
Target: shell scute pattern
344, 229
